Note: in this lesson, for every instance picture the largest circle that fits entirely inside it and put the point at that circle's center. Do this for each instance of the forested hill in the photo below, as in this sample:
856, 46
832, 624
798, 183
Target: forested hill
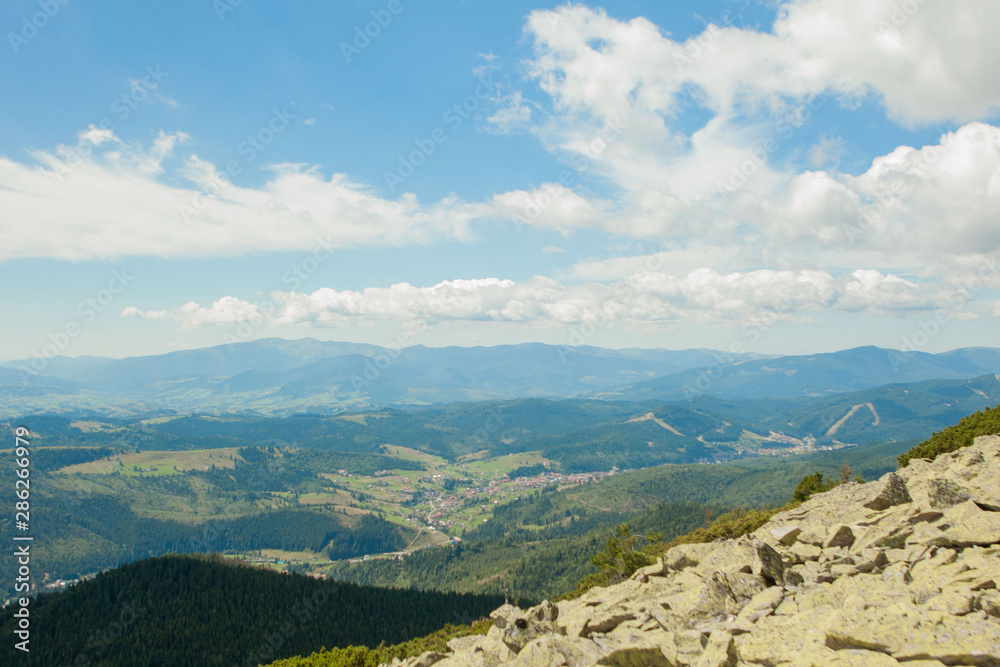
200, 611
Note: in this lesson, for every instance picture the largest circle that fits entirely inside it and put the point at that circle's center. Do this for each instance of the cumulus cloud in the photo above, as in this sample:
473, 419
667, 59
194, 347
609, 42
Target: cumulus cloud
616, 90
923, 64
104, 198
646, 295
227, 310
944, 198
929, 64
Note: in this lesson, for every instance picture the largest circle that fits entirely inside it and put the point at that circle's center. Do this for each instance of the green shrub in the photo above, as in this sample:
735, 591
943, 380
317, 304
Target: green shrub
809, 485
620, 559
730, 525
953, 438
362, 656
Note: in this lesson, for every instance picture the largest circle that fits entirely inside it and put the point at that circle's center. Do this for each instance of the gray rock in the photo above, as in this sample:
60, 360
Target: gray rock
890, 490
786, 534
840, 536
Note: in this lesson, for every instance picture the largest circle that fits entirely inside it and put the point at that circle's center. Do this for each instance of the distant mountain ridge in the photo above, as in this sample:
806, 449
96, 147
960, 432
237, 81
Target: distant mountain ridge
275, 376
812, 375
281, 377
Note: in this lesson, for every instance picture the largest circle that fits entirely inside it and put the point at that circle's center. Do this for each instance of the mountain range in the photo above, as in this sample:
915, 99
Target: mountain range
280, 377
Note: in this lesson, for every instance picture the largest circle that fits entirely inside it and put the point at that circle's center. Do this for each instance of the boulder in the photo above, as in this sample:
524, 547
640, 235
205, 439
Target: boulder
839, 536
719, 652
685, 556
786, 534
890, 490
944, 493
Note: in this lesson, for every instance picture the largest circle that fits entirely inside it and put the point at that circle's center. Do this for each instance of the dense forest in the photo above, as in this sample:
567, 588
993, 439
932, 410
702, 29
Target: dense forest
92, 522
175, 611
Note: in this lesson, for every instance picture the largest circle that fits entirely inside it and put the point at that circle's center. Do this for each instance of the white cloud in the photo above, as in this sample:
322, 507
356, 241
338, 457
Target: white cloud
646, 295
942, 199
552, 205
712, 196
227, 310
924, 63
933, 204
936, 64
104, 198
513, 114
826, 153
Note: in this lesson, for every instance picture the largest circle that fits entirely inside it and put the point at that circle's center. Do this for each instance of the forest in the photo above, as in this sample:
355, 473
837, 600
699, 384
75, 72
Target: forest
175, 611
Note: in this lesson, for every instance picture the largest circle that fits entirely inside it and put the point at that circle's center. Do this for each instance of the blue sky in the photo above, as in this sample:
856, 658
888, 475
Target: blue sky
767, 176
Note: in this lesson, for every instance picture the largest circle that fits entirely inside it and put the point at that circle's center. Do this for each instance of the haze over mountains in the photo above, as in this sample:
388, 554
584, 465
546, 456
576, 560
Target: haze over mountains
279, 377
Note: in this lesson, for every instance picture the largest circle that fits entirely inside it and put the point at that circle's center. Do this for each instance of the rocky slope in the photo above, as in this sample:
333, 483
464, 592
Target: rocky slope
903, 570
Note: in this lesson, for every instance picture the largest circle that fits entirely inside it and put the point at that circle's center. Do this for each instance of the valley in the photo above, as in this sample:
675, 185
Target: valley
503, 497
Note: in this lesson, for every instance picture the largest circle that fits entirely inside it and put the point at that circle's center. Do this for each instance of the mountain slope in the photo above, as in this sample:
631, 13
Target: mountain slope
812, 375
893, 572
891, 413
182, 611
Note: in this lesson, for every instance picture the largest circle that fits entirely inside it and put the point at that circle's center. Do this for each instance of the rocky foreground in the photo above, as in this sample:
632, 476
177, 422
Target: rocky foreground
899, 571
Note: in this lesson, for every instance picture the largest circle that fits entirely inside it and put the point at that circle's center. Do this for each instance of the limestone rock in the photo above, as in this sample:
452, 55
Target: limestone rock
801, 551
762, 604
427, 659
969, 525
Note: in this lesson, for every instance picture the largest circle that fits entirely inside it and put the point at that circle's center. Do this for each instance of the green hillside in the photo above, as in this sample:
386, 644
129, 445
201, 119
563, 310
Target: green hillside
176, 611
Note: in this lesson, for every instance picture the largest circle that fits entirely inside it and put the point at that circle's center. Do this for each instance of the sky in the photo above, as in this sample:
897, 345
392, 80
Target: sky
761, 176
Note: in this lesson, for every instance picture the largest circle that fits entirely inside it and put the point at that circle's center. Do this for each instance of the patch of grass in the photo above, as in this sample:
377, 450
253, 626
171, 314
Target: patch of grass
157, 462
